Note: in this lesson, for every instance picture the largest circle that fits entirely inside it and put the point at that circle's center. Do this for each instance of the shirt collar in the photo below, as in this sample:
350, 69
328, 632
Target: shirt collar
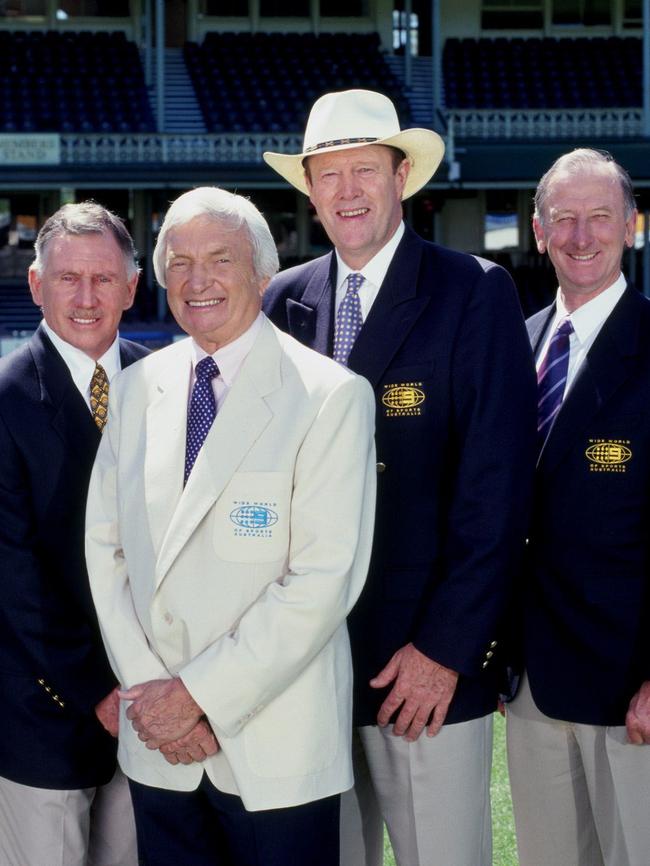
230, 357
82, 366
590, 316
375, 270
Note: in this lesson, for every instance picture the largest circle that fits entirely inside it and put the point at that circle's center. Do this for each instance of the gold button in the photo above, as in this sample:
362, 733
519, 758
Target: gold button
381, 467
489, 654
493, 644
485, 664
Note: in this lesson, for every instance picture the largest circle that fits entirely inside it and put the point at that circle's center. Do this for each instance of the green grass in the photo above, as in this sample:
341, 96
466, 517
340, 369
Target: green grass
505, 851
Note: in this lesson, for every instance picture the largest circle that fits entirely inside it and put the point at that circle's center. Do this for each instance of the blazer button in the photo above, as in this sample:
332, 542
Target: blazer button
169, 619
381, 467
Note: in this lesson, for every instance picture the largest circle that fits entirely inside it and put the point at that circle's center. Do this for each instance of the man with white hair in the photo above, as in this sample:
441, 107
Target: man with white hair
229, 526
579, 726
441, 338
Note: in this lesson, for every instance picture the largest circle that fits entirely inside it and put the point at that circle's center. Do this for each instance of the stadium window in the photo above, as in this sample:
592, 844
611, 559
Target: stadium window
23, 8
512, 15
633, 13
285, 8
400, 31
572, 13
92, 9
226, 8
501, 227
343, 8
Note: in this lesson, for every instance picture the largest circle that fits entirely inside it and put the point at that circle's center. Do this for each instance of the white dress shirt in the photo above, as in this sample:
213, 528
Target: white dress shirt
228, 359
374, 273
587, 321
82, 366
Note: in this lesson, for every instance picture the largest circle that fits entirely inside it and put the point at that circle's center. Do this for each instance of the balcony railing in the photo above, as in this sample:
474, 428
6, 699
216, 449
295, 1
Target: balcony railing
545, 123
182, 149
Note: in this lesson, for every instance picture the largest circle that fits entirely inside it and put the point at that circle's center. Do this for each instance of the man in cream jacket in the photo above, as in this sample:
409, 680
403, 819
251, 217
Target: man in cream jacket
229, 522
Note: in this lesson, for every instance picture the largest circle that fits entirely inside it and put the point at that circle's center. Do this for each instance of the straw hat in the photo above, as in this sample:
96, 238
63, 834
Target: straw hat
354, 118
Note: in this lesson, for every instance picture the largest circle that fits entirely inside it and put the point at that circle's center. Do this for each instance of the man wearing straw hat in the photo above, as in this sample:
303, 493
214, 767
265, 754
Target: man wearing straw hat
440, 337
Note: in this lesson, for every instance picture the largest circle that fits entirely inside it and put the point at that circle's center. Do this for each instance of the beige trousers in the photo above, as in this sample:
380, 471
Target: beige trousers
89, 827
433, 795
581, 793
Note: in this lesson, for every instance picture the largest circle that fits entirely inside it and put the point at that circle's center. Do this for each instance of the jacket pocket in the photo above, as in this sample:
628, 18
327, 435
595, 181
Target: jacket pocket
252, 517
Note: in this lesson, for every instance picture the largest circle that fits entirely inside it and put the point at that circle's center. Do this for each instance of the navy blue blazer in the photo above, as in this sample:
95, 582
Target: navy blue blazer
586, 624
445, 349
53, 669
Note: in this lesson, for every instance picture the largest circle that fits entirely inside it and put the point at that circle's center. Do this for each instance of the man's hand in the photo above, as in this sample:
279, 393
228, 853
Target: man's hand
198, 745
108, 712
162, 711
637, 720
421, 685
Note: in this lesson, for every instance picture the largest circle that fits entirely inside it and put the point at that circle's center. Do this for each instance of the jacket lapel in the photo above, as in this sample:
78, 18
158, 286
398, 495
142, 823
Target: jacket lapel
166, 424
608, 364
310, 320
71, 419
393, 314
239, 423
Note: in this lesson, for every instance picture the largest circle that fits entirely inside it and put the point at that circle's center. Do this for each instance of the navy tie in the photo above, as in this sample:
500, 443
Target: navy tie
551, 379
202, 411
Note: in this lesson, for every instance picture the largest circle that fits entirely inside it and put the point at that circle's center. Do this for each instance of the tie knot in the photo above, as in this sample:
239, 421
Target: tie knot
565, 329
354, 282
206, 369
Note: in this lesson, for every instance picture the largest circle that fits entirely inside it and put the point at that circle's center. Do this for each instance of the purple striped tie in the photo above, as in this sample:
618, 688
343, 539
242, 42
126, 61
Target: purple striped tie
551, 379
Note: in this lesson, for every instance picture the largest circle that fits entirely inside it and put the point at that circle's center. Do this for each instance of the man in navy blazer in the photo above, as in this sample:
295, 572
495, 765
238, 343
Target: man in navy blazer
579, 725
440, 337
60, 797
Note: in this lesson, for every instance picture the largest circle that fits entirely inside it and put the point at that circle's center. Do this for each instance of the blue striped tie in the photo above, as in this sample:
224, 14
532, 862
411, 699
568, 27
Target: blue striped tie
551, 379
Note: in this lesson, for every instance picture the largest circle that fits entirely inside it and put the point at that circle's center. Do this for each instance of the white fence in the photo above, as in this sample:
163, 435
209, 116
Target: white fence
545, 123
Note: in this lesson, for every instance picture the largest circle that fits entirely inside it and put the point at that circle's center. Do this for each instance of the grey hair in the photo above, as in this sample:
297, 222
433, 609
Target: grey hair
224, 207
85, 218
581, 158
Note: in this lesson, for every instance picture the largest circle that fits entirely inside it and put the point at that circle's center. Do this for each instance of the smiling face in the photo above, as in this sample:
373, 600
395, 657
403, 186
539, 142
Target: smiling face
83, 289
357, 194
584, 230
212, 288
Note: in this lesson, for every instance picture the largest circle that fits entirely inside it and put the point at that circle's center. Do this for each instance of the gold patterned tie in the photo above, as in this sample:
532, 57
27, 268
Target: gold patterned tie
99, 396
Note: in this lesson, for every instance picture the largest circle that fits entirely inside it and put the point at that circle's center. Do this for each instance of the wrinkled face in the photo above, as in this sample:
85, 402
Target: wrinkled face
212, 288
584, 230
358, 197
83, 290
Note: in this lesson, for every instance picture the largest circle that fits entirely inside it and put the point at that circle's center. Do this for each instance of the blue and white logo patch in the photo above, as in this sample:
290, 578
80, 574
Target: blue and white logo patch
254, 519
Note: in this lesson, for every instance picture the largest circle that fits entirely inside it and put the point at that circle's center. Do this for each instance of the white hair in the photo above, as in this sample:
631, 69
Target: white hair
223, 207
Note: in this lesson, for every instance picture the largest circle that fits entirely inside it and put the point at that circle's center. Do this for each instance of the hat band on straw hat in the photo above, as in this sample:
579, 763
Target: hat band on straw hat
338, 141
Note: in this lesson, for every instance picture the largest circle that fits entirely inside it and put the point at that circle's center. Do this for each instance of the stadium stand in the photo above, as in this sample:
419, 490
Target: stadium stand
542, 72
266, 82
71, 82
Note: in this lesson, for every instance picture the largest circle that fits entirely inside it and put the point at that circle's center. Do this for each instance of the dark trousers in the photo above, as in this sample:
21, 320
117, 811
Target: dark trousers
206, 827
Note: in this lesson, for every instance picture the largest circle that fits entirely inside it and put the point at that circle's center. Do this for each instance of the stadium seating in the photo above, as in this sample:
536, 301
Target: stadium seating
266, 82
601, 72
71, 82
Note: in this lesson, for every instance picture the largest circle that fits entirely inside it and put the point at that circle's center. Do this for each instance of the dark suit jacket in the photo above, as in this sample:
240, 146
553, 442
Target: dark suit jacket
445, 349
53, 670
586, 629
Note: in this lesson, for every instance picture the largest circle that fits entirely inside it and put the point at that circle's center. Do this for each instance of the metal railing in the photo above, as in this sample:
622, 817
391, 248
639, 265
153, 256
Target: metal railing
545, 123
148, 148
